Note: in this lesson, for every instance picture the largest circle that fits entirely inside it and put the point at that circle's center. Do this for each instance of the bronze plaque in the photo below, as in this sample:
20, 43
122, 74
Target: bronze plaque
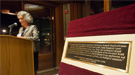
111, 54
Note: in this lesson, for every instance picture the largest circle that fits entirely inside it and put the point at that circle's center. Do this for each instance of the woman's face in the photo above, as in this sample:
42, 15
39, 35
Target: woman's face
22, 21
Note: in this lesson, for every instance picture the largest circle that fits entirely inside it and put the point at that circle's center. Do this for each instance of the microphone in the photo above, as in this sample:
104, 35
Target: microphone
15, 24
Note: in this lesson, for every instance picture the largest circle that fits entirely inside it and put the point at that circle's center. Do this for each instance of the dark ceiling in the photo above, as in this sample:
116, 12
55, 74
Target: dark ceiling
15, 6
11, 5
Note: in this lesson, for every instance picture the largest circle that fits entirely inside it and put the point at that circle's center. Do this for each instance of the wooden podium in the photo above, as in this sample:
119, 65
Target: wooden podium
16, 56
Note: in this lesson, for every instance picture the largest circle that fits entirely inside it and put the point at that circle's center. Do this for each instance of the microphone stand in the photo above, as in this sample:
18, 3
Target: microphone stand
11, 27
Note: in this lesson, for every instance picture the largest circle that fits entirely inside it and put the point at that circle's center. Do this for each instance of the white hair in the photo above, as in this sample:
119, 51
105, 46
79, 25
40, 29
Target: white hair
26, 16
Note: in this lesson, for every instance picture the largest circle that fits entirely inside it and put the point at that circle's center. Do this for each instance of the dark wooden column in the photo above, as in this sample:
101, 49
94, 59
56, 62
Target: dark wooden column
59, 33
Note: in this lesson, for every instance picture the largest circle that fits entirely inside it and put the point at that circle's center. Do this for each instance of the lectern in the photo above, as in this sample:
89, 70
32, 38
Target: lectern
16, 56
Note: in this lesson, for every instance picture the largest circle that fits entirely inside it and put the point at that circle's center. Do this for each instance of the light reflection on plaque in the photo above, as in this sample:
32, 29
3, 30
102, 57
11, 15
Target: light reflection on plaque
114, 55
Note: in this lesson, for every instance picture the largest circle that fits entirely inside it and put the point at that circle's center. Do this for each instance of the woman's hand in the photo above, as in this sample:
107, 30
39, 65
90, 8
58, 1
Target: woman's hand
22, 37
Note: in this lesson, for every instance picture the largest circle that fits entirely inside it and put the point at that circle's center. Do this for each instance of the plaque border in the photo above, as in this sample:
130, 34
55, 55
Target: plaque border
104, 66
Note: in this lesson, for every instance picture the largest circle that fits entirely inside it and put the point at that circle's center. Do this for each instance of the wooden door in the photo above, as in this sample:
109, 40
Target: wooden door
44, 20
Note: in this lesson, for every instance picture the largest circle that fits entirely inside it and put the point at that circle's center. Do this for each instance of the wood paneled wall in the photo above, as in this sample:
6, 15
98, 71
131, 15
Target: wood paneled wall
75, 11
